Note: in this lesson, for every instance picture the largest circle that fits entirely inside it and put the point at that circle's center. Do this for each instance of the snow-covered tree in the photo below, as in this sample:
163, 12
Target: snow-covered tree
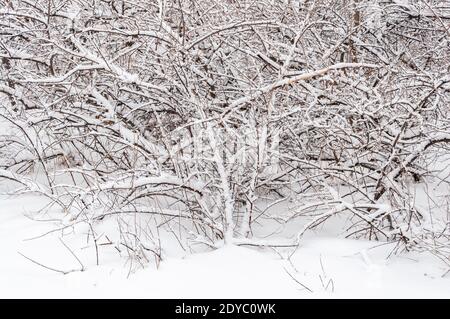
204, 114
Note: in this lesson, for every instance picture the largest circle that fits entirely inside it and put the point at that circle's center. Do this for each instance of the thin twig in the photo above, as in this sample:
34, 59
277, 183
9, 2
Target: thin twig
73, 254
296, 280
46, 267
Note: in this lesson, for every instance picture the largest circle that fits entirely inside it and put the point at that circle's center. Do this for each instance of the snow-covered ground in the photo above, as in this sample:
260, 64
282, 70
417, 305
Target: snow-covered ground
328, 267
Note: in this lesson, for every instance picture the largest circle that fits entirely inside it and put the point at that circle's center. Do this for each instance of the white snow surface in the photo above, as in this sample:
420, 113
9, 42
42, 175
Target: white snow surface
329, 267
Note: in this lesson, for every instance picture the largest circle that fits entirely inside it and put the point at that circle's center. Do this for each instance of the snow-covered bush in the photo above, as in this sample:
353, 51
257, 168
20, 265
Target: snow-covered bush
198, 115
